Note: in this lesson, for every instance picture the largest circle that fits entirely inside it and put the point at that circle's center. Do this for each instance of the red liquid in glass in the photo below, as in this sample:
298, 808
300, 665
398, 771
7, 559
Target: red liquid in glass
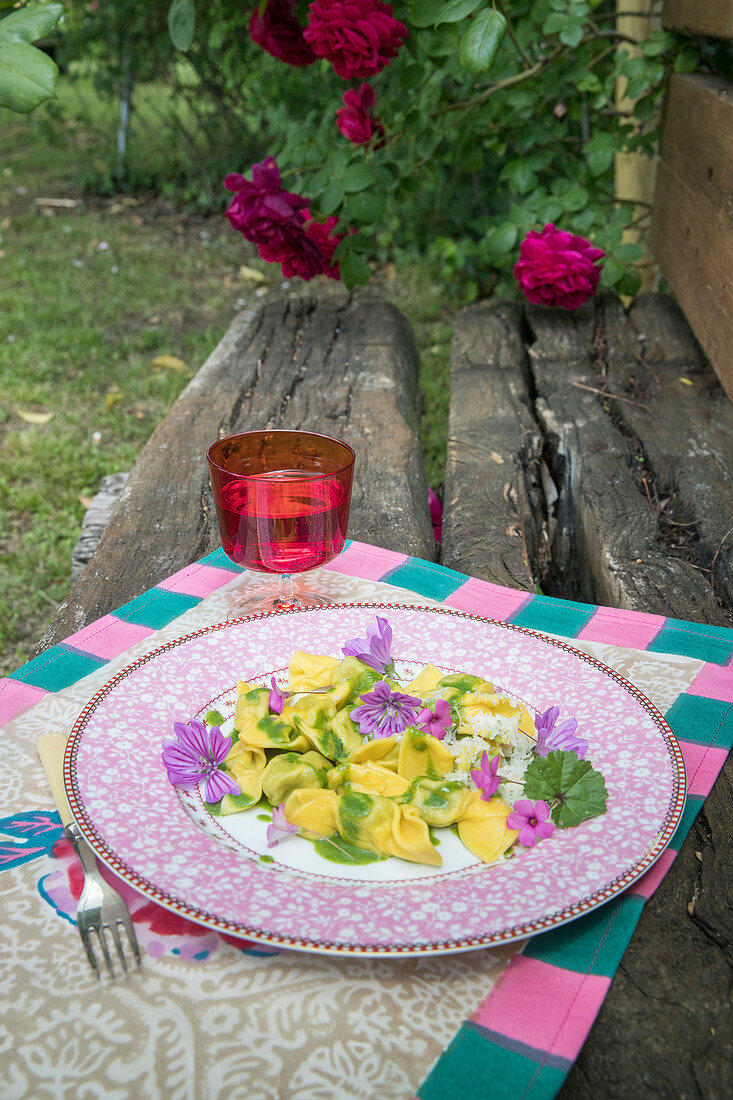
277, 523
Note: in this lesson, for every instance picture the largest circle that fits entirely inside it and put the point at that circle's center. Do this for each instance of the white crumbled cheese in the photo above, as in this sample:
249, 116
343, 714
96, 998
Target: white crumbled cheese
498, 727
459, 777
513, 768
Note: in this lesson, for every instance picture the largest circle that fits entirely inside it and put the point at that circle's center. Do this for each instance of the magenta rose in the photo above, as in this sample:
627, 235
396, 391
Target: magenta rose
556, 268
358, 37
260, 209
355, 119
323, 236
299, 256
307, 253
278, 31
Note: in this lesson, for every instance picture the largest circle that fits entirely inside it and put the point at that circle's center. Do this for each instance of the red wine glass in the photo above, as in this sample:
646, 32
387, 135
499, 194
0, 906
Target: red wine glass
282, 500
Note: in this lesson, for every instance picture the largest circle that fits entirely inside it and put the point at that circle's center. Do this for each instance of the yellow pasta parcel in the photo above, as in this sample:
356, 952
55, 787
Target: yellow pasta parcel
247, 764
422, 754
368, 777
310, 670
385, 827
440, 802
315, 718
382, 750
287, 771
313, 809
483, 828
426, 681
257, 727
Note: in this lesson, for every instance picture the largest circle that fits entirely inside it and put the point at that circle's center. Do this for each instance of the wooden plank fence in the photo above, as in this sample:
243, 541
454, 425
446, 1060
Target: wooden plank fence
692, 219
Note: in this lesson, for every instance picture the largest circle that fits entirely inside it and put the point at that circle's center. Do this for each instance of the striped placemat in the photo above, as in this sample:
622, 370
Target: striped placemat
527, 1033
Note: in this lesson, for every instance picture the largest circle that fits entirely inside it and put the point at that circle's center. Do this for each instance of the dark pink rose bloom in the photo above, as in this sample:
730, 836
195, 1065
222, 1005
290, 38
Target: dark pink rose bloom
556, 268
322, 234
307, 253
279, 32
358, 37
299, 256
260, 209
355, 120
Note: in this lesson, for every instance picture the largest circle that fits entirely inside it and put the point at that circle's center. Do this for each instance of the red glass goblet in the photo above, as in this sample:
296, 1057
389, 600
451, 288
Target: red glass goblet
282, 499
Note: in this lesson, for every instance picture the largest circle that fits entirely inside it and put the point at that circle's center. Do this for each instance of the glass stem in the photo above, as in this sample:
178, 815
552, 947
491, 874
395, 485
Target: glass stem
285, 595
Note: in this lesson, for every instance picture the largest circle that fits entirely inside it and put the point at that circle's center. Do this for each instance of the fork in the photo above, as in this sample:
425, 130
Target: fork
101, 910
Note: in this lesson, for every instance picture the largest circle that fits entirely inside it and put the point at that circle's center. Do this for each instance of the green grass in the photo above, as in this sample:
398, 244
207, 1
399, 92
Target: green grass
89, 297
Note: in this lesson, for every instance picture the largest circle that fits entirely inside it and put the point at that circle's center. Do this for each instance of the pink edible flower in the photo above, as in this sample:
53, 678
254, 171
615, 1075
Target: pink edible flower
278, 698
485, 776
196, 754
384, 712
376, 649
278, 31
550, 736
556, 268
436, 722
358, 37
531, 819
280, 827
355, 119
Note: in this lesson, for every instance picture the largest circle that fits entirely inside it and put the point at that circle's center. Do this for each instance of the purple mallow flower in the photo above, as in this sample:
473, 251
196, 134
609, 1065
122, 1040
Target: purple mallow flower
437, 722
485, 776
531, 820
196, 755
385, 712
376, 649
551, 736
278, 698
280, 827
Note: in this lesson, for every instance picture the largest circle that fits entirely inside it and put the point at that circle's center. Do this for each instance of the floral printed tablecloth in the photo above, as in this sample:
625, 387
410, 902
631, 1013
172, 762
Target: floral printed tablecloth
209, 1016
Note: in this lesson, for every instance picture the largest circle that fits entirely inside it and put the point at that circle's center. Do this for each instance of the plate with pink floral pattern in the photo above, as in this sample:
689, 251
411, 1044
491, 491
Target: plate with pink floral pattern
220, 871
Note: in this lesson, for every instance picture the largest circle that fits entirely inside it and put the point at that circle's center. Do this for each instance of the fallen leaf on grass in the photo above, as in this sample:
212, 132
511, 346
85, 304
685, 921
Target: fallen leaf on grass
169, 362
34, 418
86, 502
112, 399
59, 204
252, 274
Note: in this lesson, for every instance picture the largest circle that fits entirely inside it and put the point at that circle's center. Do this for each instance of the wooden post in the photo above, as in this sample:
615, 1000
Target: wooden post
710, 17
635, 172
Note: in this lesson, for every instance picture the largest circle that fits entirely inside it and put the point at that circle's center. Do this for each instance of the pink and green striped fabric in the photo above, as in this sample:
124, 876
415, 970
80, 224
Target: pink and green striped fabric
528, 1032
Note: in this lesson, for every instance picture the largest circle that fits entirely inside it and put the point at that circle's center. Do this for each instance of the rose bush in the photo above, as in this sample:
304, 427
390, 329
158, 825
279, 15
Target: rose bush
453, 129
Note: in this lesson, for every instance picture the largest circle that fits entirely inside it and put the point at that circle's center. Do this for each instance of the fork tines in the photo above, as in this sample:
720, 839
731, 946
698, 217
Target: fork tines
101, 910
87, 938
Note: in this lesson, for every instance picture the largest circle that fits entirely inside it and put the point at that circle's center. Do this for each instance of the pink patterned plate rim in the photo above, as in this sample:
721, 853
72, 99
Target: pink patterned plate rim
139, 825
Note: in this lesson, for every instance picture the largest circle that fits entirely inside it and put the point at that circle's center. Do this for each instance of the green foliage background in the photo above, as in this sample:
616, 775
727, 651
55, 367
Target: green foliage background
479, 149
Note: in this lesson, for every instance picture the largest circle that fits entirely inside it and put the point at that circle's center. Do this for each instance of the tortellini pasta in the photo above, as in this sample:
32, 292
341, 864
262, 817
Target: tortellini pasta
383, 794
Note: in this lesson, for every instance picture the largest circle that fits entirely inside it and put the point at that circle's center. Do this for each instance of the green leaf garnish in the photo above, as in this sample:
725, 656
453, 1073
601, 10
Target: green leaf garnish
574, 789
213, 718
